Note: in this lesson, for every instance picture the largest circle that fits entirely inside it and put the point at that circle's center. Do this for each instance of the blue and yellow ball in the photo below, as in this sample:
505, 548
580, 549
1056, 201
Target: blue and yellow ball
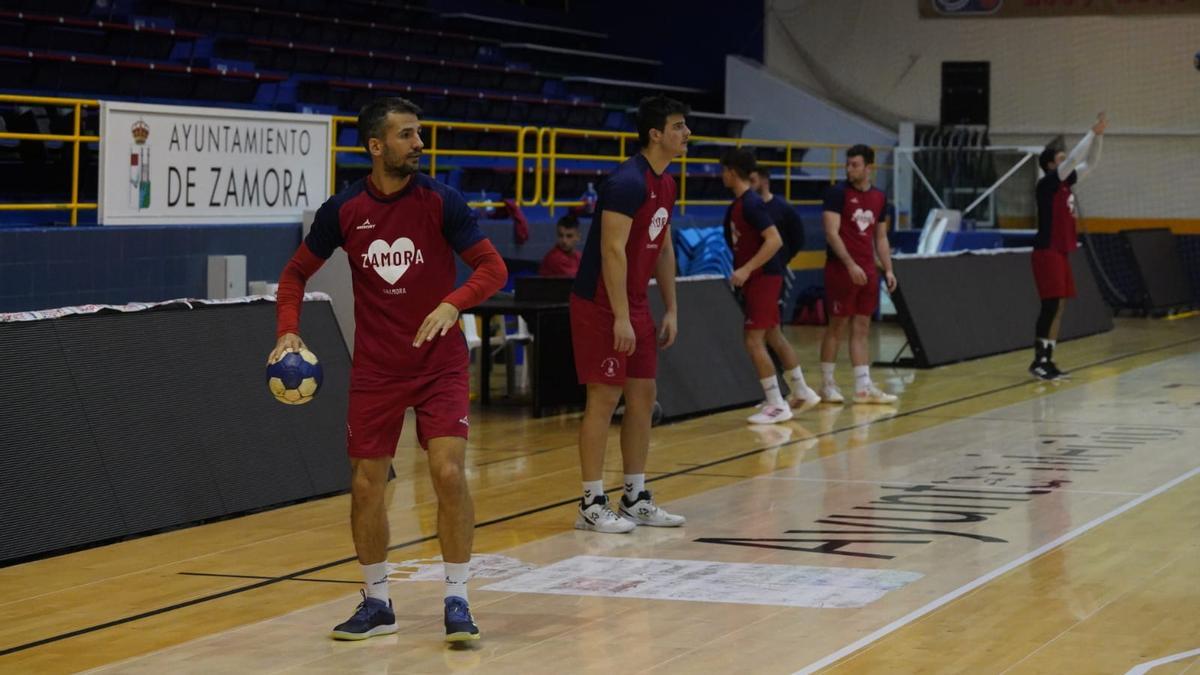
295, 377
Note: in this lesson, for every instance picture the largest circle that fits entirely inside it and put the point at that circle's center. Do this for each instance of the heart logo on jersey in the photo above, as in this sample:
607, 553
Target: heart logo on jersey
658, 222
863, 218
391, 261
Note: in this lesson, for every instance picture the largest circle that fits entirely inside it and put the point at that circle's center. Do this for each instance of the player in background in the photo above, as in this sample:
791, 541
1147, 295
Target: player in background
563, 259
791, 229
855, 220
401, 231
1056, 238
612, 331
758, 271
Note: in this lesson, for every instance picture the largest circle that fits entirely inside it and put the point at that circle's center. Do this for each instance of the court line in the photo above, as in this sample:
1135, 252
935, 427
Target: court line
257, 576
961, 485
1145, 667
547, 507
903, 621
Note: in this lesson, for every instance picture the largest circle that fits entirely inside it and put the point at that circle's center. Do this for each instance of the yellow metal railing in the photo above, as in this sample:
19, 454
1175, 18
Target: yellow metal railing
539, 164
551, 154
75, 138
433, 130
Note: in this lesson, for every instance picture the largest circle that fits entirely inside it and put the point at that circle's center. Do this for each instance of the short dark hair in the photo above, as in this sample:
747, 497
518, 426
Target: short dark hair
739, 160
372, 118
863, 151
1048, 154
569, 221
653, 112
762, 171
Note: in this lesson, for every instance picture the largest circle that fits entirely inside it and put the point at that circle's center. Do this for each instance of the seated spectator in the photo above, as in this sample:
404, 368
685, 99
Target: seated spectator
563, 259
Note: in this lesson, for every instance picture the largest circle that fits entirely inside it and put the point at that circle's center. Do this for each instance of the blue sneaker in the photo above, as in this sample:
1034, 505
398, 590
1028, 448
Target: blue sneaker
460, 627
371, 618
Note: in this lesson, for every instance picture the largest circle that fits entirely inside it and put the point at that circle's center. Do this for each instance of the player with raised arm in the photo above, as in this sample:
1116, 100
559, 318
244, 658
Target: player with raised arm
1056, 238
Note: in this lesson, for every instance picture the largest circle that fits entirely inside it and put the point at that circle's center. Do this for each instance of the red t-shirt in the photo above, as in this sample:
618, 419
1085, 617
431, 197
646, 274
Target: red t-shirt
1056, 213
648, 198
745, 221
861, 212
401, 248
558, 263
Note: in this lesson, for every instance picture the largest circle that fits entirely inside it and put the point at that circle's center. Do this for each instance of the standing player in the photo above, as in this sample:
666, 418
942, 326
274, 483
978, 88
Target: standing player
612, 331
855, 219
758, 271
401, 231
783, 215
791, 229
1055, 240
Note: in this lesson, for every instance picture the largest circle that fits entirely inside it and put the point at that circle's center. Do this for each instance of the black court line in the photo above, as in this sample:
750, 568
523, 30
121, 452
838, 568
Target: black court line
255, 576
553, 505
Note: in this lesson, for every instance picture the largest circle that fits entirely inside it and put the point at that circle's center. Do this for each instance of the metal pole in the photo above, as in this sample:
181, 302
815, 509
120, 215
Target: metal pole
925, 181
996, 185
75, 167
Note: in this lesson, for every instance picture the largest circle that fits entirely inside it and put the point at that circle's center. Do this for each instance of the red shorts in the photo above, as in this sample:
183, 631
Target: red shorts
761, 294
378, 404
592, 339
843, 297
1052, 274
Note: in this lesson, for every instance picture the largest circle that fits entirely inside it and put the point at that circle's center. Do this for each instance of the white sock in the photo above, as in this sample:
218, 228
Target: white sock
634, 484
456, 579
827, 373
770, 387
862, 378
375, 580
797, 376
591, 490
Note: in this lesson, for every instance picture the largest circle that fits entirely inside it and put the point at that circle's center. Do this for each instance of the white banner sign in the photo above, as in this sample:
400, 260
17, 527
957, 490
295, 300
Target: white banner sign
164, 165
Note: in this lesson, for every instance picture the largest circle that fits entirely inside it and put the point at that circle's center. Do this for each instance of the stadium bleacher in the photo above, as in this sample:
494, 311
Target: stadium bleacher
330, 56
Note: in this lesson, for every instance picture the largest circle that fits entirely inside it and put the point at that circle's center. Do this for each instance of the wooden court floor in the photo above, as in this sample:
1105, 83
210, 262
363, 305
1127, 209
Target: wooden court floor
984, 524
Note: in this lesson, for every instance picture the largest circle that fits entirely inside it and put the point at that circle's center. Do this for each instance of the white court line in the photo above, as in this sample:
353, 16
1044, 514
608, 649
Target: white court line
964, 485
967, 588
1143, 668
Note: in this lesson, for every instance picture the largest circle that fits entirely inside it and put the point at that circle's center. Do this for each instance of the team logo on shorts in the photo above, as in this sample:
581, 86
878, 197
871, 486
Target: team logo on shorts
609, 367
464, 421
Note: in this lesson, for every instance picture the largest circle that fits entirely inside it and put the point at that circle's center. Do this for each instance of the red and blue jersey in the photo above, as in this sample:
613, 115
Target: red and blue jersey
791, 229
648, 198
745, 221
861, 212
1056, 213
401, 248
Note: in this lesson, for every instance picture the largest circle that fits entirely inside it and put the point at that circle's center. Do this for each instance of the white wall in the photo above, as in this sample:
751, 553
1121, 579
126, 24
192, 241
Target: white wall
782, 111
1048, 76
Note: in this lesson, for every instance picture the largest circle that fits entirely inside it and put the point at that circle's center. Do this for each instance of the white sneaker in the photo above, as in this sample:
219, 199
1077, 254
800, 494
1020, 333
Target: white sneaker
803, 397
644, 511
831, 394
598, 517
771, 414
873, 394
